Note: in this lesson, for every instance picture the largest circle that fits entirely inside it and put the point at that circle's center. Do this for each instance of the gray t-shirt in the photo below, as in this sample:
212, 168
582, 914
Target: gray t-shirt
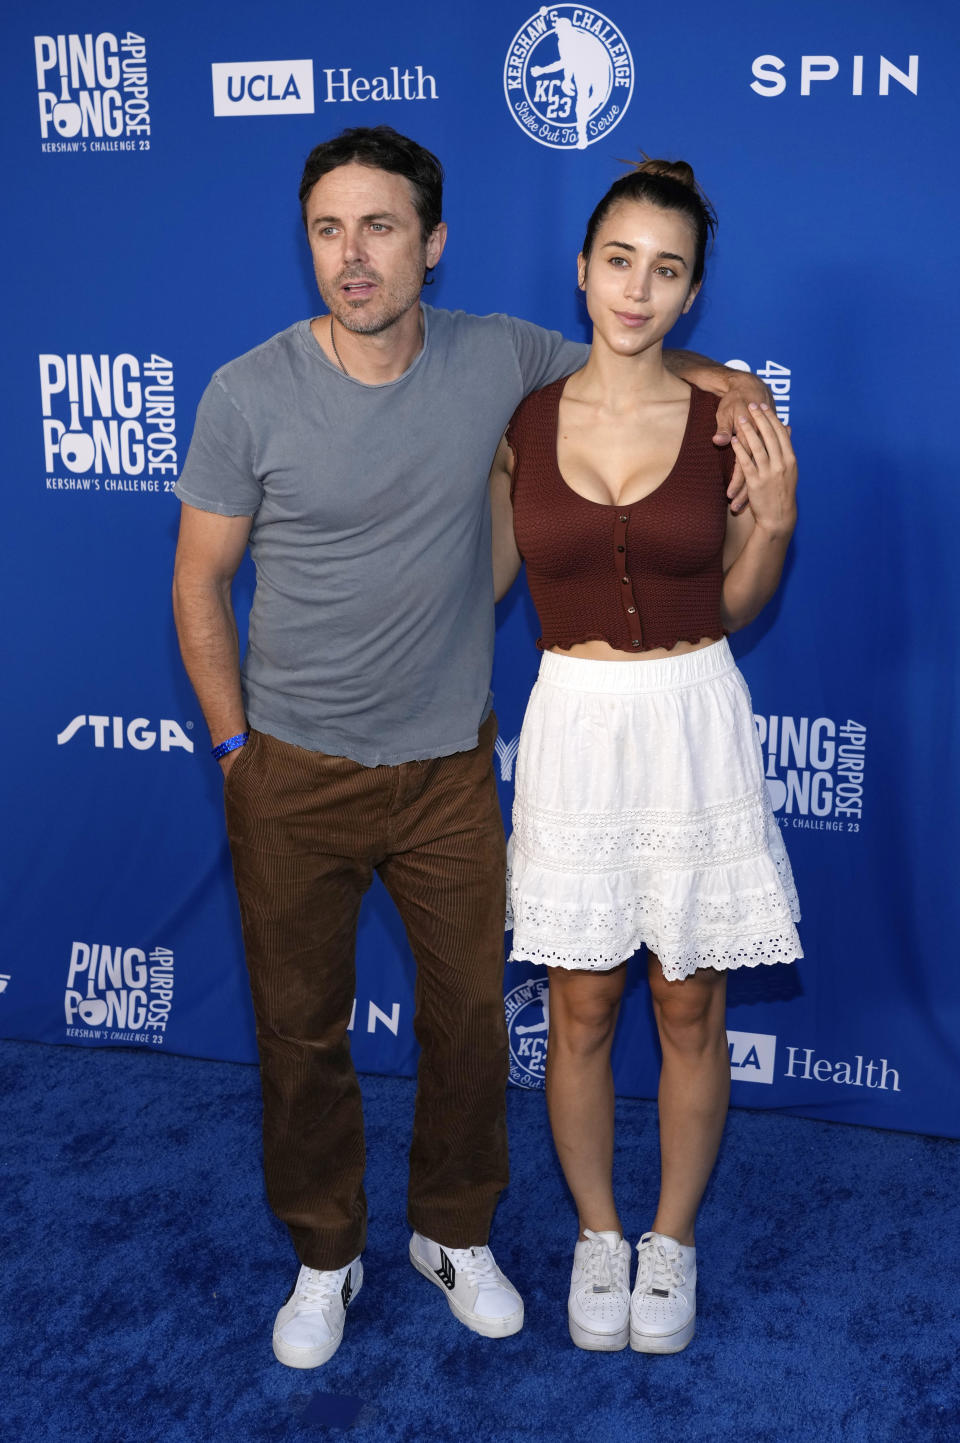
371, 631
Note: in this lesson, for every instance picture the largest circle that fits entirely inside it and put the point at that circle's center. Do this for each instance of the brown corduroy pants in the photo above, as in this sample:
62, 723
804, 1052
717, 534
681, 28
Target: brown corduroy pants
306, 833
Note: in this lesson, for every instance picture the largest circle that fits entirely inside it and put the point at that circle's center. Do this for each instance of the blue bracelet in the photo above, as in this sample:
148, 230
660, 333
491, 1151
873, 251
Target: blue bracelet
230, 745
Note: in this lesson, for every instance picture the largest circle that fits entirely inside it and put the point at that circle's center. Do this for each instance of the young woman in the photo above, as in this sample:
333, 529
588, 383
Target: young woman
641, 812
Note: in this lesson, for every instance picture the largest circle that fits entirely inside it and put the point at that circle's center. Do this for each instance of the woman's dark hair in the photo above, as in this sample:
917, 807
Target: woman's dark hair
669, 184
382, 148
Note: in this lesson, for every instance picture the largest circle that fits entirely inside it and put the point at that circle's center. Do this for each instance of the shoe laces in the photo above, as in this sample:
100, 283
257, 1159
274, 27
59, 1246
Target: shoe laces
477, 1266
315, 1289
602, 1267
659, 1270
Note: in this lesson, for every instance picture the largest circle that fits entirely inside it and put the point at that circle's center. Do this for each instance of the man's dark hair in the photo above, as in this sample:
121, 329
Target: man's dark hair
382, 148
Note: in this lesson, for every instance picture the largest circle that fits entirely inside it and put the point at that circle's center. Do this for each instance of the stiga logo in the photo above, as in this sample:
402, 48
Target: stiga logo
4, 979
815, 770
94, 92
778, 378
139, 734
753, 1056
263, 87
528, 1022
568, 76
118, 994
110, 422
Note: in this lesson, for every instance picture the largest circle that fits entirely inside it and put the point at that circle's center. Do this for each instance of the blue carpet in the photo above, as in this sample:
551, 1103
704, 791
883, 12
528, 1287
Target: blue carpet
141, 1271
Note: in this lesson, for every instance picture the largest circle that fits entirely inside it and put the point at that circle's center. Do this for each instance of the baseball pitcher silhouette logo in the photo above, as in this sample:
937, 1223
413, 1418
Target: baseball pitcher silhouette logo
568, 76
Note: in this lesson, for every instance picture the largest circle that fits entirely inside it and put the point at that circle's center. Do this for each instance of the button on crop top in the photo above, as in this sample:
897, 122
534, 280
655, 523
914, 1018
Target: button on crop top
640, 576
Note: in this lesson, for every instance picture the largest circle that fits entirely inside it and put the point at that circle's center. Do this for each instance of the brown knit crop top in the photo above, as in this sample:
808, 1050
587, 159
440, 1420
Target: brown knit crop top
640, 576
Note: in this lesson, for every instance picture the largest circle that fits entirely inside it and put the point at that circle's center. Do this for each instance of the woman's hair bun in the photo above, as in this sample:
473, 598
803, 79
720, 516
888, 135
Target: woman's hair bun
677, 170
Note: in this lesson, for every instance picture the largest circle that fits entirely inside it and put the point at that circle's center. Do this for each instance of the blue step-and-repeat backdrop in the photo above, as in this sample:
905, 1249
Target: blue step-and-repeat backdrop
153, 232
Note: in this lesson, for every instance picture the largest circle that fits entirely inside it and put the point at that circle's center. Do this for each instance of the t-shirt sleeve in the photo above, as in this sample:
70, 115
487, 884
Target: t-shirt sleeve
543, 356
219, 473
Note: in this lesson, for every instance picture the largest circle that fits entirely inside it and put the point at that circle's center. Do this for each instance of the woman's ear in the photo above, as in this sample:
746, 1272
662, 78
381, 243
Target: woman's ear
694, 292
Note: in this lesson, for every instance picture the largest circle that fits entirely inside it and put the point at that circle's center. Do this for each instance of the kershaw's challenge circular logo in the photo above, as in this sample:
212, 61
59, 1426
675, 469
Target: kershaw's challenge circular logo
528, 1022
568, 76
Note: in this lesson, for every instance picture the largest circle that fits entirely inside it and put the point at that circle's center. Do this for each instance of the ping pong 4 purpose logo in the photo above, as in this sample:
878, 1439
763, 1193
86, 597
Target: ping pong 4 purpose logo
568, 76
109, 423
118, 994
93, 92
815, 769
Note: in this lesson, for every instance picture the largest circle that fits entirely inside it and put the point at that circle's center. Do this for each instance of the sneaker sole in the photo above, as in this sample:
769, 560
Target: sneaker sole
663, 1342
292, 1357
598, 1342
486, 1327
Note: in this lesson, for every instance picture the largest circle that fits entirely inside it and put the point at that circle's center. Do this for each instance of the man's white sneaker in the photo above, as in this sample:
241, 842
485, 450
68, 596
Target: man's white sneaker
598, 1309
477, 1291
309, 1326
663, 1308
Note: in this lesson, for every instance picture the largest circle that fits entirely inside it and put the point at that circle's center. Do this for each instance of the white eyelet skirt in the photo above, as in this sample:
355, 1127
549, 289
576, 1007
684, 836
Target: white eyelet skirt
641, 815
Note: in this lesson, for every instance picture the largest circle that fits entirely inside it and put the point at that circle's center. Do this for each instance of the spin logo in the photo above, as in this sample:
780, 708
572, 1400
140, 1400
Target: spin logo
139, 733
527, 1010
778, 378
568, 76
118, 994
865, 74
93, 92
814, 769
109, 422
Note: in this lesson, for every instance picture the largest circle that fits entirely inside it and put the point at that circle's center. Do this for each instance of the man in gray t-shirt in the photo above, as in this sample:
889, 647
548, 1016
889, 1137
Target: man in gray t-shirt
350, 453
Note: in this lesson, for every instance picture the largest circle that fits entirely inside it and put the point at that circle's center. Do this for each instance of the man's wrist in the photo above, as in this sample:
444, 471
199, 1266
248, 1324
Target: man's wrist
231, 744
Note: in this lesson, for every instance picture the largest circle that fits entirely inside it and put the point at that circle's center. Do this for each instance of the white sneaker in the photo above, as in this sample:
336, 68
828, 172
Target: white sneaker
663, 1308
309, 1326
598, 1309
477, 1291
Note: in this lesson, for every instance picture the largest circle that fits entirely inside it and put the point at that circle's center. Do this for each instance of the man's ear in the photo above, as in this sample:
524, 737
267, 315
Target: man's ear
436, 241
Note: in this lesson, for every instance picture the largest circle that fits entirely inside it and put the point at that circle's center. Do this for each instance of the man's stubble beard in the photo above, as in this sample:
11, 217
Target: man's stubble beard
353, 315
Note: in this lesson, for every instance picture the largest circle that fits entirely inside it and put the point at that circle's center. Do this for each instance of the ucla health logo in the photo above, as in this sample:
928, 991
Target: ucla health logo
109, 423
263, 87
568, 76
815, 769
118, 994
528, 1023
93, 92
753, 1056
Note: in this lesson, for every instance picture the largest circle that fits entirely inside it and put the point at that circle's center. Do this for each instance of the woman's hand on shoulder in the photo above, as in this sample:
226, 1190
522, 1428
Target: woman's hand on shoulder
765, 456
506, 557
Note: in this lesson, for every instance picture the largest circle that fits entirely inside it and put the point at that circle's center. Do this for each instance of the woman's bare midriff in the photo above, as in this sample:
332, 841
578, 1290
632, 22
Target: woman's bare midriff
603, 651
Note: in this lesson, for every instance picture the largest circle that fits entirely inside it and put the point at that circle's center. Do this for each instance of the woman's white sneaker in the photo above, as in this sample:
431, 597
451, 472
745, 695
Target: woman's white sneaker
598, 1308
663, 1308
309, 1326
478, 1293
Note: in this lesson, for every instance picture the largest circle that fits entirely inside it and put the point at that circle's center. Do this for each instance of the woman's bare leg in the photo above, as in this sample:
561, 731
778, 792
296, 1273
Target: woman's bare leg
694, 1091
583, 1017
